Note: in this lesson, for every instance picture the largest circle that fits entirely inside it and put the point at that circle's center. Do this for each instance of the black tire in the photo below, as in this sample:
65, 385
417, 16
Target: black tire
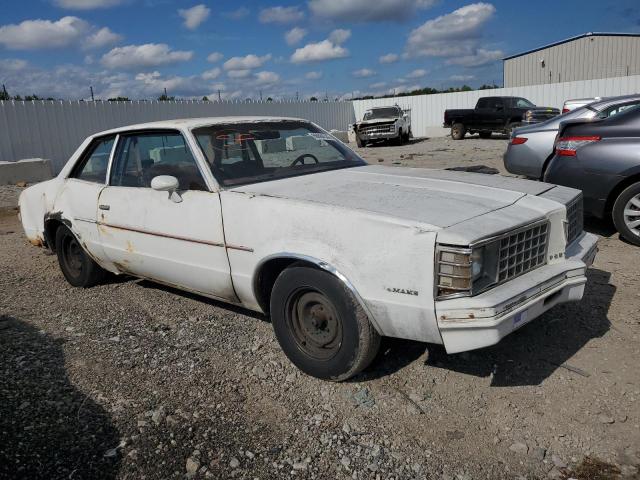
620, 220
360, 143
458, 131
77, 267
320, 326
485, 134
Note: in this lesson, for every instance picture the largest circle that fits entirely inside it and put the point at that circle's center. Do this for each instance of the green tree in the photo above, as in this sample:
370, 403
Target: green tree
165, 98
119, 99
205, 99
313, 99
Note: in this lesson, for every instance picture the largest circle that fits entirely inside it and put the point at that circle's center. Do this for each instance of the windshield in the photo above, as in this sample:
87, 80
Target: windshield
382, 113
242, 153
524, 103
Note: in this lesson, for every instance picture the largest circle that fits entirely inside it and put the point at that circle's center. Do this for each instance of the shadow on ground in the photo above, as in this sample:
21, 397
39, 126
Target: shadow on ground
531, 354
48, 428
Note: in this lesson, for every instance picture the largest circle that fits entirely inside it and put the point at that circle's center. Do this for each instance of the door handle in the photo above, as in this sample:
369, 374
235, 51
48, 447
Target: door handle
104, 207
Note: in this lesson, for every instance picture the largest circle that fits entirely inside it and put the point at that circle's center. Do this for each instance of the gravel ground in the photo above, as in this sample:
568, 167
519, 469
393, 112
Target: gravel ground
134, 380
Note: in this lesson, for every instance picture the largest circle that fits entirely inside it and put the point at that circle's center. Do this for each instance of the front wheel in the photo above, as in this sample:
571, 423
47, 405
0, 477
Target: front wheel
626, 214
77, 267
319, 324
457, 131
360, 143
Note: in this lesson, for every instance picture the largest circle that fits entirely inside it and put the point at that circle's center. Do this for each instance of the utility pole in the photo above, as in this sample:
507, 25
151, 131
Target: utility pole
91, 89
296, 96
165, 92
219, 97
260, 95
6, 95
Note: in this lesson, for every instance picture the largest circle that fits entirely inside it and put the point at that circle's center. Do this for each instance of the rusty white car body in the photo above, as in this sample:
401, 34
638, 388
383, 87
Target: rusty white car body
452, 258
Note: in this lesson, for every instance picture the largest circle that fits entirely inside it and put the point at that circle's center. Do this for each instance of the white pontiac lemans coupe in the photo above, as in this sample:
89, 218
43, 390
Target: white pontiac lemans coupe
278, 216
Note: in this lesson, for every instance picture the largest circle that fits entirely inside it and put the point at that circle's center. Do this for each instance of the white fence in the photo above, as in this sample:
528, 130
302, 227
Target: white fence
427, 111
55, 129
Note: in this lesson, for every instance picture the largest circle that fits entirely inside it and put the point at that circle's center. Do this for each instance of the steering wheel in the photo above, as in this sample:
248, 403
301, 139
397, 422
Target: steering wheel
301, 158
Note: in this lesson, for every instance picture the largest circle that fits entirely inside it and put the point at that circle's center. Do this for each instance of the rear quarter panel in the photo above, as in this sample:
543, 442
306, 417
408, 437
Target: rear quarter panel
375, 253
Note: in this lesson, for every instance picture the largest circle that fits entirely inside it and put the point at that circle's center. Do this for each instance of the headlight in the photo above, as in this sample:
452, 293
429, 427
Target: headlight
465, 271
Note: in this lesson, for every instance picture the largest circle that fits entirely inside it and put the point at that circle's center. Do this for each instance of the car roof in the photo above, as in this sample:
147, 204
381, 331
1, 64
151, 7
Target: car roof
608, 101
190, 123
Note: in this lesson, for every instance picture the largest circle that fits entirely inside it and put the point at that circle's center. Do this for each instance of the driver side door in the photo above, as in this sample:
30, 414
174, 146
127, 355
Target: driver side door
176, 239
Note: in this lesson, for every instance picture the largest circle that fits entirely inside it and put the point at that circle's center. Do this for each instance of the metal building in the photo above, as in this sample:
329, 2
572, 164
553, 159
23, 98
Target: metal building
585, 57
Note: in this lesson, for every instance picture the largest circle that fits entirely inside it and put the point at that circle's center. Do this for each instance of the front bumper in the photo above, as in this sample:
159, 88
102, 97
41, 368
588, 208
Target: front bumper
480, 321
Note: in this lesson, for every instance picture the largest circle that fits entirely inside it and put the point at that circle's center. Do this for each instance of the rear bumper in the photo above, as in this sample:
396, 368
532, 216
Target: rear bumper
480, 321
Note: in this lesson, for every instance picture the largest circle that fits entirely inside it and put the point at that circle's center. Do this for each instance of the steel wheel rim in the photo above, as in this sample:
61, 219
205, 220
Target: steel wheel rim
631, 215
314, 324
72, 253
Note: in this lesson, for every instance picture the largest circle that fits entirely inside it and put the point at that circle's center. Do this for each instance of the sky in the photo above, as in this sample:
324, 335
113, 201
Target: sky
278, 48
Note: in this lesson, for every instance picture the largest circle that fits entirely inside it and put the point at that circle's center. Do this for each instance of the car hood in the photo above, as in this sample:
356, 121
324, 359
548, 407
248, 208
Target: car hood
424, 197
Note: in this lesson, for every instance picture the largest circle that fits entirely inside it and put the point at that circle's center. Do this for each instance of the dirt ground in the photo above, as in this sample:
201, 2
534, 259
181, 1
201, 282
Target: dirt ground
131, 380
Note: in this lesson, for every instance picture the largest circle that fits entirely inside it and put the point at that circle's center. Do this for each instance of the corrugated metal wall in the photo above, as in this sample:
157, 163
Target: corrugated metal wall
427, 111
587, 58
54, 130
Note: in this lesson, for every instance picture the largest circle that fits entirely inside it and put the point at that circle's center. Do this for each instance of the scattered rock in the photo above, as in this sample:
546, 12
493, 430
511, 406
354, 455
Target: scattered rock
363, 398
538, 453
234, 462
555, 474
193, 464
519, 447
558, 462
606, 419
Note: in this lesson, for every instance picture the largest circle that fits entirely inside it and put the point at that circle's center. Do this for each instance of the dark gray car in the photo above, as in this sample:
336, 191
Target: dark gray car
602, 158
530, 148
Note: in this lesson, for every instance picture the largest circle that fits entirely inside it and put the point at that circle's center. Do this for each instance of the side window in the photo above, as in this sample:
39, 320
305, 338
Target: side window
141, 157
497, 103
93, 167
483, 103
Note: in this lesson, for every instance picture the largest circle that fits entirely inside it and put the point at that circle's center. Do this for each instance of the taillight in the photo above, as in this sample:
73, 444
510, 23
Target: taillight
565, 110
518, 140
567, 146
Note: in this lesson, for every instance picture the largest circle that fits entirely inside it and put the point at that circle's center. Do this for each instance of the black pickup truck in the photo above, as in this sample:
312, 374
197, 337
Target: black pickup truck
495, 114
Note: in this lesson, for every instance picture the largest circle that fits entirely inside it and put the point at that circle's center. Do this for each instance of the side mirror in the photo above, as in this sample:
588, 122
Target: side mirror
167, 183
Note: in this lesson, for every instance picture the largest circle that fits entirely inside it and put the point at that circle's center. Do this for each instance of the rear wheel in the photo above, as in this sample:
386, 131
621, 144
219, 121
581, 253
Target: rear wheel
320, 326
457, 131
77, 267
626, 214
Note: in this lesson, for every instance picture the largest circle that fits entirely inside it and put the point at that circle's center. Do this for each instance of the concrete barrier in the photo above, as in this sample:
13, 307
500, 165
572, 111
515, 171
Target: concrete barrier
30, 170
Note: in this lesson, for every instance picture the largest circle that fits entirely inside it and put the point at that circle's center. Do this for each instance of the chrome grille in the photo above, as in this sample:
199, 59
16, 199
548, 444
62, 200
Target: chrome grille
522, 251
575, 219
377, 129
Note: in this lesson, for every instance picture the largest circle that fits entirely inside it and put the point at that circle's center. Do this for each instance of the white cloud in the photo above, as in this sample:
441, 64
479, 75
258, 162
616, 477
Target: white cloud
133, 57
378, 85
418, 73
281, 15
455, 33
12, 65
34, 34
247, 62
266, 78
86, 4
211, 74
101, 38
388, 58
363, 73
366, 10
215, 57
461, 78
313, 75
238, 14
294, 35
318, 52
339, 36
194, 16
477, 58
239, 73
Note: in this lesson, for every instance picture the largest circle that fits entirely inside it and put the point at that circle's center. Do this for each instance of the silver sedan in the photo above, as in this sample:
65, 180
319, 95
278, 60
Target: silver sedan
531, 147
